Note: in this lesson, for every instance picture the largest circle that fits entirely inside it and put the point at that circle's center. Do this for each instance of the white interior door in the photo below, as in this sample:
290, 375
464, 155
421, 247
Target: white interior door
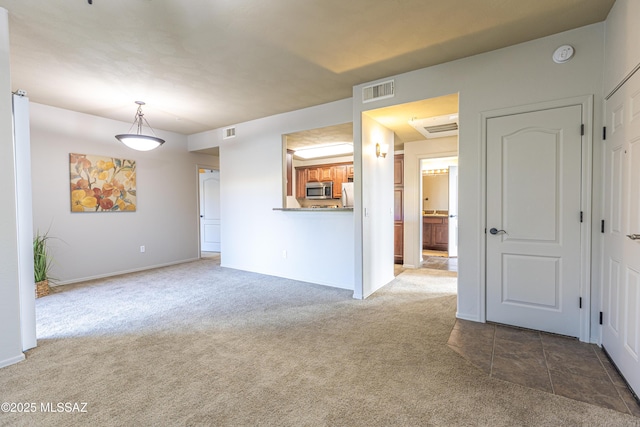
210, 211
621, 254
453, 211
533, 219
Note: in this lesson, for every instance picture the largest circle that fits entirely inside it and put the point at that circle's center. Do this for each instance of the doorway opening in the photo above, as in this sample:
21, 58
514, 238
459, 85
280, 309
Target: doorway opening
209, 205
425, 129
439, 210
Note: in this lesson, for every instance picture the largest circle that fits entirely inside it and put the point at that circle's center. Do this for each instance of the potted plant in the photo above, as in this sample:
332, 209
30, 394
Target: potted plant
41, 264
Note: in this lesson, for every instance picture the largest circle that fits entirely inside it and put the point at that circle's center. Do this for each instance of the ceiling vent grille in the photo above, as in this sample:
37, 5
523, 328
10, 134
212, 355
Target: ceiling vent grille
229, 133
378, 91
441, 128
436, 127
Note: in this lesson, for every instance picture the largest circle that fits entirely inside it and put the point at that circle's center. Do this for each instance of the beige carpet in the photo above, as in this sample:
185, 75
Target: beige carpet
200, 345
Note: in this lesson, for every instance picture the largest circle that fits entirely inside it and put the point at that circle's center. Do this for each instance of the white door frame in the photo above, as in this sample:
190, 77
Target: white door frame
198, 167
585, 235
453, 223
417, 247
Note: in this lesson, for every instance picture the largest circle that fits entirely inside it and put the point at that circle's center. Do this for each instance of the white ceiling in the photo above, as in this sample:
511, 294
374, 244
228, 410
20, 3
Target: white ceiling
205, 64
327, 135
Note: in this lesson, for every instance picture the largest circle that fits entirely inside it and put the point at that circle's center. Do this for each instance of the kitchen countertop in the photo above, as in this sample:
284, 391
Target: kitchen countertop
435, 213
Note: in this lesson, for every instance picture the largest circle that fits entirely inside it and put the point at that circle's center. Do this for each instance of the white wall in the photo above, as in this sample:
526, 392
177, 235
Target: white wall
413, 153
518, 75
622, 50
376, 207
318, 245
90, 245
10, 338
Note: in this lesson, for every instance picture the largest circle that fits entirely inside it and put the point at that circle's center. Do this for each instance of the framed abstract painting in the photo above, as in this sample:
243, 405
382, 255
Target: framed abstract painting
102, 184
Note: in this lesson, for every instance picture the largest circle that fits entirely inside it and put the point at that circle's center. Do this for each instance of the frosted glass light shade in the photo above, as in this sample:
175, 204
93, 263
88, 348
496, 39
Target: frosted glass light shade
140, 142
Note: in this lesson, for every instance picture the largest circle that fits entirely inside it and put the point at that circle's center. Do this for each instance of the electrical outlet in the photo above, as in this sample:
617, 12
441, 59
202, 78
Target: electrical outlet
284, 254
142, 249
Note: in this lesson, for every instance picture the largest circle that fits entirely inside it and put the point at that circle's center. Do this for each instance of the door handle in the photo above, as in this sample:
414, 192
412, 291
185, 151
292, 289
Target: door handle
634, 236
495, 231
452, 216
201, 216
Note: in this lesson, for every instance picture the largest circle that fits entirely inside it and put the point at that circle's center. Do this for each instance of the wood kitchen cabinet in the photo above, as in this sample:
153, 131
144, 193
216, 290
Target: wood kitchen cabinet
398, 209
398, 196
435, 233
335, 172
398, 242
301, 183
398, 170
326, 173
339, 176
313, 174
289, 172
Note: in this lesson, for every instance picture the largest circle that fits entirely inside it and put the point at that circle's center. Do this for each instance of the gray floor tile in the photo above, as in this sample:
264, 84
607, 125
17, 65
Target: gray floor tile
552, 363
587, 389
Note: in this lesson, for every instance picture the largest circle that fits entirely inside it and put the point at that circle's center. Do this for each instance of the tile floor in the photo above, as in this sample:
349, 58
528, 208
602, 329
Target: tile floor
435, 260
551, 363
438, 261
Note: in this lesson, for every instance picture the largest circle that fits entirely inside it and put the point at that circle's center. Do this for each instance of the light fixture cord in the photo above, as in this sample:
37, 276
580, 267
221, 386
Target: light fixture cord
139, 118
137, 121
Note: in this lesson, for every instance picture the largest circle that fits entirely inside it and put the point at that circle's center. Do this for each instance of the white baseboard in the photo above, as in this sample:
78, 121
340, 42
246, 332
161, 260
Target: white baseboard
119, 273
12, 360
468, 317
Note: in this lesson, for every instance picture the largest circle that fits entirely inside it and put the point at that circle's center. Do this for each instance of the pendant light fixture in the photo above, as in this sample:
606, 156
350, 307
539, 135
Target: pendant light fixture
138, 141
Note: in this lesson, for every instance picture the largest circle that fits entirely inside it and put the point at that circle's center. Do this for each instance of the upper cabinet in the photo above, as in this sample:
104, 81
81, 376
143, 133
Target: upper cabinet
335, 172
313, 174
398, 170
339, 176
326, 173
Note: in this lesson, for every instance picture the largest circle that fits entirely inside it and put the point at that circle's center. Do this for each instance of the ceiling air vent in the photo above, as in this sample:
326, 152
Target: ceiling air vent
229, 133
436, 127
378, 91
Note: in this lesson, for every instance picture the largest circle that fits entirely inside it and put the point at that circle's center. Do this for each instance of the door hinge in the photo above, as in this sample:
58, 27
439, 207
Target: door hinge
582, 129
604, 132
580, 303
601, 318
602, 226
581, 216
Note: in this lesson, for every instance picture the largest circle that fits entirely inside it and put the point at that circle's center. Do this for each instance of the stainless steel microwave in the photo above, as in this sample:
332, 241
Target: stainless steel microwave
319, 190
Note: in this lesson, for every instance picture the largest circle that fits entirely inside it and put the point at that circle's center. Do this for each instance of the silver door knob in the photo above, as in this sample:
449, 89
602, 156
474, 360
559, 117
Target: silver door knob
634, 236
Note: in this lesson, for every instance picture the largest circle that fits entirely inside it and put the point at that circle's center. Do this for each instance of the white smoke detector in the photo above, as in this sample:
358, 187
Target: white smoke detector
563, 54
